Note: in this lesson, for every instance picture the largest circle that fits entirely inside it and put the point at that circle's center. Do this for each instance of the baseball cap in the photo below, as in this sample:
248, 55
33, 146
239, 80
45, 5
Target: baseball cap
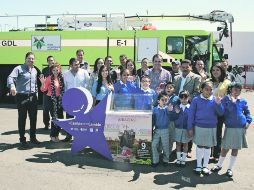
176, 62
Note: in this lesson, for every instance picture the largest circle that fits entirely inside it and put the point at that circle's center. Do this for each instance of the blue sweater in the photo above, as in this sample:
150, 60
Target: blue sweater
127, 88
236, 115
123, 98
204, 112
144, 100
181, 118
160, 118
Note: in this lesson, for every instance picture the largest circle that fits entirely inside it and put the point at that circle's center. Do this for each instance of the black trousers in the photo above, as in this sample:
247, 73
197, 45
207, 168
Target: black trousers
26, 103
217, 149
68, 136
46, 111
54, 128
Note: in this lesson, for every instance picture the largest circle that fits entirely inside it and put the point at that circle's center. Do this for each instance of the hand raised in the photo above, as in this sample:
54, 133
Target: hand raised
42, 79
170, 107
218, 99
177, 109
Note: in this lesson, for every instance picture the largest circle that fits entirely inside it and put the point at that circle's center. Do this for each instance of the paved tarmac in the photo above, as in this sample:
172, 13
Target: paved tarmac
52, 166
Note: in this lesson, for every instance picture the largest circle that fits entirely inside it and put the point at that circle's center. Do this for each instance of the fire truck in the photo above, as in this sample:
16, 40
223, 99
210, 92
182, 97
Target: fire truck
113, 35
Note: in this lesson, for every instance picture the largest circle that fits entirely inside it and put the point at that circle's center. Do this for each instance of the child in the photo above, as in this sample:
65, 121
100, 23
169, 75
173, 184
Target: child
146, 97
237, 120
202, 117
161, 132
172, 100
123, 89
181, 136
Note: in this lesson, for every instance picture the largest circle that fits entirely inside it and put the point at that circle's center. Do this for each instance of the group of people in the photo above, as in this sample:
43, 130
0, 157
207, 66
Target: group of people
189, 104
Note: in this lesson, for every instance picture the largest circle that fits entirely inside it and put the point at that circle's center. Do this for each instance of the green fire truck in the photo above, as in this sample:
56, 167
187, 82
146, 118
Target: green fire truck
61, 40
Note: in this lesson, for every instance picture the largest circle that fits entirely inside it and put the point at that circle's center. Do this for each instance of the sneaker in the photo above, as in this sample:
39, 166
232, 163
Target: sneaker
24, 145
54, 139
229, 173
206, 171
34, 141
216, 168
67, 139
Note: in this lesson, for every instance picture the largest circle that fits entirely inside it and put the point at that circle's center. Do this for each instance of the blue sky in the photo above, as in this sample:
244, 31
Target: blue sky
241, 10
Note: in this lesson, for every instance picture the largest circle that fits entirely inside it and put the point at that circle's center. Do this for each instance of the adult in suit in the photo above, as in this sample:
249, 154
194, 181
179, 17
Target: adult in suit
189, 81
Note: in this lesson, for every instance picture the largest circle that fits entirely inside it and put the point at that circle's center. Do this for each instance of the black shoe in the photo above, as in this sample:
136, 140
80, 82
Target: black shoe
229, 173
67, 139
154, 165
34, 141
46, 127
198, 171
216, 168
24, 145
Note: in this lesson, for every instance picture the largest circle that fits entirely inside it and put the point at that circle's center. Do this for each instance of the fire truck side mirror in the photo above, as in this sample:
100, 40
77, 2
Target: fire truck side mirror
225, 56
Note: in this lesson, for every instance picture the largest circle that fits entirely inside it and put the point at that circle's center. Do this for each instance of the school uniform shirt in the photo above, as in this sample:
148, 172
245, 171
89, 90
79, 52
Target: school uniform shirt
204, 112
121, 88
123, 98
237, 114
145, 99
181, 118
160, 117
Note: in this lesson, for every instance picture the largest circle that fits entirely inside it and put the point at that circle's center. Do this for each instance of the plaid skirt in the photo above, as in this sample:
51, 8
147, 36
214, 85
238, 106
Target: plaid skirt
205, 136
234, 138
181, 135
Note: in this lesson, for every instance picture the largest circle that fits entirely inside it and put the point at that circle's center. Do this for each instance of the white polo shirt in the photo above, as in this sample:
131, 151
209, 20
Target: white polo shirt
80, 79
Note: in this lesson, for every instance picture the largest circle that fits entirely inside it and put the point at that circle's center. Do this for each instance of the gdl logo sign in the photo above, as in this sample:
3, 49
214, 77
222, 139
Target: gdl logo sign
46, 43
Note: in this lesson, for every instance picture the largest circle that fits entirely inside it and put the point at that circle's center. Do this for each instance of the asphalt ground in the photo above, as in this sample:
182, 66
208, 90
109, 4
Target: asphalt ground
52, 166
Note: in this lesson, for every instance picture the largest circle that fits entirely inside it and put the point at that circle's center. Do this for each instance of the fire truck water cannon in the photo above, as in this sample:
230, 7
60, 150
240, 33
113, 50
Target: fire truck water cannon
224, 18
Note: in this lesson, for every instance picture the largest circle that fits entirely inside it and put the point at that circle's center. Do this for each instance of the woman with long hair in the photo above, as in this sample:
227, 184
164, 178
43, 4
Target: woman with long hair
199, 69
94, 75
144, 67
133, 77
103, 85
220, 86
54, 86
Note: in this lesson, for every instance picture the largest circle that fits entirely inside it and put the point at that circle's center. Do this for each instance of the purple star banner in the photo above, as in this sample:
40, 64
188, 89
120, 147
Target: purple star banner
87, 126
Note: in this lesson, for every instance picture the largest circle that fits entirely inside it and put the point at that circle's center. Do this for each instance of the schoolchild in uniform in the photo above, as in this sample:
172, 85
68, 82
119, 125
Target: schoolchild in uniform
173, 100
123, 91
161, 132
146, 97
181, 136
237, 120
202, 119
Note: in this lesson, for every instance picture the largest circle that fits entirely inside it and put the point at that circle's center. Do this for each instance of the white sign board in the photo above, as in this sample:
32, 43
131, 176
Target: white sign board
146, 48
46, 43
